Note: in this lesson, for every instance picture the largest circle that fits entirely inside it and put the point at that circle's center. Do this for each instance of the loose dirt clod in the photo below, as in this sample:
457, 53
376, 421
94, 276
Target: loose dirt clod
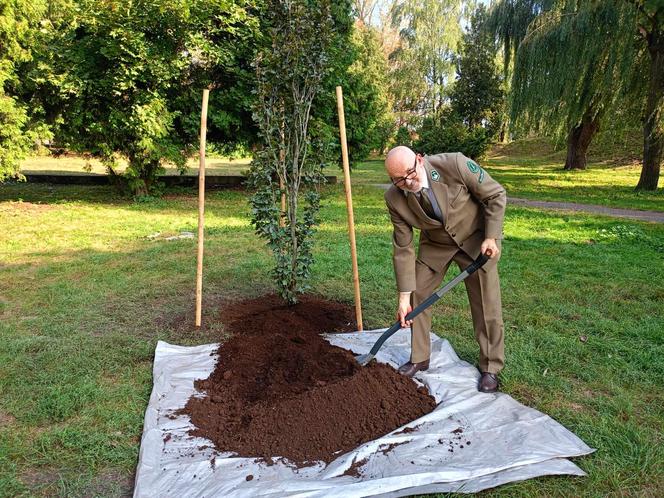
386, 448
280, 389
354, 469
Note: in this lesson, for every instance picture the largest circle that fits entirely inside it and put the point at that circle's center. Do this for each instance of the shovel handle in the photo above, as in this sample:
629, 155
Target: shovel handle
472, 268
477, 264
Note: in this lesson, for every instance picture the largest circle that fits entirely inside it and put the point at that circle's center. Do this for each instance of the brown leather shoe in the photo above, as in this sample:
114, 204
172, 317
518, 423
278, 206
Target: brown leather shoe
409, 369
488, 383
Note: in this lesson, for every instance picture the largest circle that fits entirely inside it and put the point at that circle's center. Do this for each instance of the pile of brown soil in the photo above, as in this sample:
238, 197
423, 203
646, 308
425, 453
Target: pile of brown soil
280, 389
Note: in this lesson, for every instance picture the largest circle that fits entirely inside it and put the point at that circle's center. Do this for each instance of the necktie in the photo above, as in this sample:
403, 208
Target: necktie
429, 204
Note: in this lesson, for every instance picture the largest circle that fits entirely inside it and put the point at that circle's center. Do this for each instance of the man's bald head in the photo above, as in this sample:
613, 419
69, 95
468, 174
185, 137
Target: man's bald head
405, 168
399, 160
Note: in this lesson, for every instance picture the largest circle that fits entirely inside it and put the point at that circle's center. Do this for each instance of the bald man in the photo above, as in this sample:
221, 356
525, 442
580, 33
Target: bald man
459, 211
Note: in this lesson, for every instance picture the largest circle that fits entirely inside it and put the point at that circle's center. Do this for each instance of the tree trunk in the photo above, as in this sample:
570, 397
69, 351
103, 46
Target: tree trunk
148, 175
502, 137
653, 128
579, 139
293, 276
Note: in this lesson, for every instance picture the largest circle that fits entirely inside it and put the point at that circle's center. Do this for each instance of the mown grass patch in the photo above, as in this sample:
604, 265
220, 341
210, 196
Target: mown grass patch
533, 169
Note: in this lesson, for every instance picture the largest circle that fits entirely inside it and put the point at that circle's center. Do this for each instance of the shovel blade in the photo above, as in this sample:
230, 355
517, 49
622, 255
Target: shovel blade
364, 359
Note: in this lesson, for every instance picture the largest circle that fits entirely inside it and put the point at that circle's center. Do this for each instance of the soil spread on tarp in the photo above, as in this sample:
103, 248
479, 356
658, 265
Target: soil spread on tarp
280, 390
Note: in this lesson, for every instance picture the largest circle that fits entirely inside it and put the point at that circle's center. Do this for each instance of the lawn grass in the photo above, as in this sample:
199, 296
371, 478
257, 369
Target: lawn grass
528, 168
85, 293
78, 165
532, 169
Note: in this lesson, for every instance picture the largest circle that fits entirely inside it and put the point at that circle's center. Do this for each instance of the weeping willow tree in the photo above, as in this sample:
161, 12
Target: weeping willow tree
508, 20
573, 67
650, 25
577, 62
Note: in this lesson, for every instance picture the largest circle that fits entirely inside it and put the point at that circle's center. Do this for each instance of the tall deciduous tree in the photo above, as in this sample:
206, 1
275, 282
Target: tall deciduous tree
290, 73
477, 97
424, 63
570, 70
369, 120
364, 10
357, 64
508, 20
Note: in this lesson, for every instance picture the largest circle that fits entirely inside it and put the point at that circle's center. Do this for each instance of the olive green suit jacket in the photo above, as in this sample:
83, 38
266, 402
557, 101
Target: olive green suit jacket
473, 208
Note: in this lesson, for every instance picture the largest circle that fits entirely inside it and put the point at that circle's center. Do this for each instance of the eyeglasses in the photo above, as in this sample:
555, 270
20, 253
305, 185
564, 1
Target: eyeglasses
410, 174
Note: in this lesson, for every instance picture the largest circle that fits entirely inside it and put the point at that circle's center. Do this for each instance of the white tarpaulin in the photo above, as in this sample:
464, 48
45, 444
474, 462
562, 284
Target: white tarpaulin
471, 441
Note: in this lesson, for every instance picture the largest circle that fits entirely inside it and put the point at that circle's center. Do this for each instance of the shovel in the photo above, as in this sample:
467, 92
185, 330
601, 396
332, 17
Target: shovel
364, 359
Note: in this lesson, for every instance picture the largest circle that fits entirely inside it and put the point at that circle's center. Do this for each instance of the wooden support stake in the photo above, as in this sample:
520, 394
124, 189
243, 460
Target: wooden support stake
282, 215
201, 209
349, 206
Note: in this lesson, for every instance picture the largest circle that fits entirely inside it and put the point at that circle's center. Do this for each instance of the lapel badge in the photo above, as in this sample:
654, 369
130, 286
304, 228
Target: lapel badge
435, 176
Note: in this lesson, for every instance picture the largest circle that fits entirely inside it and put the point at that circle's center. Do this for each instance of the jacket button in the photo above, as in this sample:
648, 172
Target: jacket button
454, 235
461, 245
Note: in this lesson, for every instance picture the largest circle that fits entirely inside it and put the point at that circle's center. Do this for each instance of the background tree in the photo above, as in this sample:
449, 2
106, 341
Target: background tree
430, 32
223, 41
472, 117
551, 26
364, 10
290, 73
444, 131
477, 97
550, 95
508, 21
650, 26
369, 120
406, 94
357, 64
19, 27
132, 72
577, 62
408, 91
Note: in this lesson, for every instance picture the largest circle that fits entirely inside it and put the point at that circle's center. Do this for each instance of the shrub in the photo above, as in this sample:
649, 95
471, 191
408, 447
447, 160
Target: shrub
445, 132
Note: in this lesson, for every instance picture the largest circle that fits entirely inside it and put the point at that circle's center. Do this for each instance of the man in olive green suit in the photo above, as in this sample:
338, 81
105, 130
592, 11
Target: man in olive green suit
459, 210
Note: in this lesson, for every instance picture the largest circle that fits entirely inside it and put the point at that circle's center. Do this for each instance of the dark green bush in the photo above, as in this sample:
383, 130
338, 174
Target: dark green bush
445, 132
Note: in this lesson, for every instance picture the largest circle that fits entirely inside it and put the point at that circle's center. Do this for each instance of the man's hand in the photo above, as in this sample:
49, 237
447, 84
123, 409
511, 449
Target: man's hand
404, 308
490, 248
